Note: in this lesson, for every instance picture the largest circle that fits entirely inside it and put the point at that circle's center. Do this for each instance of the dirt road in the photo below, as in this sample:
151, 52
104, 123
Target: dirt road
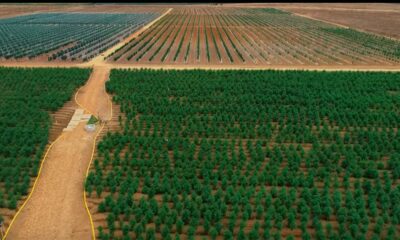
100, 58
56, 209
93, 96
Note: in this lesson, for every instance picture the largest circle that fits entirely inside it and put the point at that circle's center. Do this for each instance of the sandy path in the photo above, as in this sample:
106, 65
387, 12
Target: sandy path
93, 96
56, 209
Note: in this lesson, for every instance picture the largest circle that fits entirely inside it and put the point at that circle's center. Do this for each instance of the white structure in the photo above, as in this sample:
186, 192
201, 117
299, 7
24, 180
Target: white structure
90, 127
76, 119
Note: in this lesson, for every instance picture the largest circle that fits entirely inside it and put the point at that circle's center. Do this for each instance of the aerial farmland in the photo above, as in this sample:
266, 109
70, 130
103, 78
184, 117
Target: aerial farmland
199, 121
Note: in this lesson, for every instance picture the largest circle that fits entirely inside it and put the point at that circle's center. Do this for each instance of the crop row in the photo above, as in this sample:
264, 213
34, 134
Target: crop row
264, 36
250, 155
72, 36
27, 97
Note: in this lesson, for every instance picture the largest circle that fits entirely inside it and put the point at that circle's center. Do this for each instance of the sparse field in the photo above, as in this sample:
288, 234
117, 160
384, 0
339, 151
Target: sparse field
253, 36
66, 36
9, 10
380, 21
28, 97
249, 155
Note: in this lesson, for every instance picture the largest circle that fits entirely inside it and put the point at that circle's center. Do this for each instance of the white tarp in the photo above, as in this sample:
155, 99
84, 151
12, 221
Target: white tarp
90, 127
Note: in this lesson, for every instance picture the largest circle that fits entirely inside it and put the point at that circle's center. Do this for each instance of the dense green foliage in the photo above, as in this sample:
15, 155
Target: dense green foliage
27, 96
82, 36
251, 155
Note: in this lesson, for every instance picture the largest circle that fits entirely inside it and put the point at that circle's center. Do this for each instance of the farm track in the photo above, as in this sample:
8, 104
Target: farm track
394, 68
56, 209
100, 58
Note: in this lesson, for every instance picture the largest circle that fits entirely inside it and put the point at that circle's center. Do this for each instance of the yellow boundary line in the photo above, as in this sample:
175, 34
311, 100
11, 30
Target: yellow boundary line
40, 170
87, 170
33, 187
84, 191
91, 158
77, 92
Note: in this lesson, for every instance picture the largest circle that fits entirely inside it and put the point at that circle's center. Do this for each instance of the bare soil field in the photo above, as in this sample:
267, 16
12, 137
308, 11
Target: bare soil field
386, 7
381, 21
117, 65
10, 10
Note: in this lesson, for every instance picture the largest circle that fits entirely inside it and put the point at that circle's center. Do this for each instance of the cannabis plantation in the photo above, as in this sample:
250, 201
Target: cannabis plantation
72, 36
27, 97
253, 36
250, 155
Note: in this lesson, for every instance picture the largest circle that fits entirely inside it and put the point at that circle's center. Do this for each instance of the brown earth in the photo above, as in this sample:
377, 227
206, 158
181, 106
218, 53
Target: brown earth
384, 7
56, 209
93, 96
11, 10
386, 23
60, 120
283, 42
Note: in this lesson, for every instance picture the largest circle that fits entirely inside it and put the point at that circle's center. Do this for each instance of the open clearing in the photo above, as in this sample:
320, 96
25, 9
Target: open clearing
11, 10
56, 209
376, 18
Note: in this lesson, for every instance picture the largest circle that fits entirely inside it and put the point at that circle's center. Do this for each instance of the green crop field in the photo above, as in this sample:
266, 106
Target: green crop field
250, 155
27, 97
66, 36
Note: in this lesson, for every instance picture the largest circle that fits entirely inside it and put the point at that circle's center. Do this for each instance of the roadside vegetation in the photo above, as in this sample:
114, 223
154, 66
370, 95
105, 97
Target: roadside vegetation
27, 97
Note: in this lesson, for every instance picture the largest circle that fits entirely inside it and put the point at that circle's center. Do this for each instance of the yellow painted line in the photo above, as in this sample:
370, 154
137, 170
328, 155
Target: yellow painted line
76, 96
33, 187
91, 160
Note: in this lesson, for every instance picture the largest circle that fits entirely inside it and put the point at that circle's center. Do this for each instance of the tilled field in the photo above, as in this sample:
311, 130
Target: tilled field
253, 36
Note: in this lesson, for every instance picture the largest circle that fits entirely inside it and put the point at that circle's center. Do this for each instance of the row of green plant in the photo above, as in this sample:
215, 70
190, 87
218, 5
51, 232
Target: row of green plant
27, 98
250, 155
280, 37
65, 36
